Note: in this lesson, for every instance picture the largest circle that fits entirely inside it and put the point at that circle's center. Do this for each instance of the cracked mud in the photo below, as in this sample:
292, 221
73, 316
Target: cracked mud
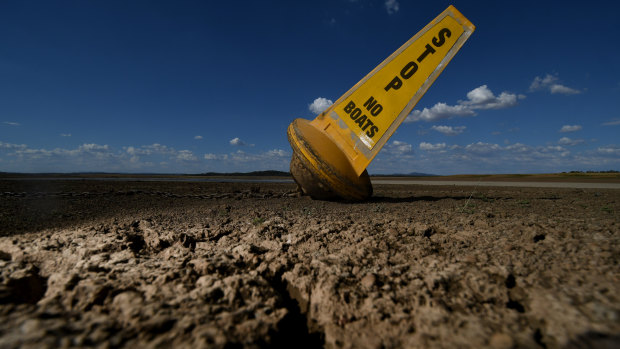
172, 264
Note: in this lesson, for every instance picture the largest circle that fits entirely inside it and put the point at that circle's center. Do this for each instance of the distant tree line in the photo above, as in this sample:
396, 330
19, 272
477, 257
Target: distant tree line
268, 173
609, 171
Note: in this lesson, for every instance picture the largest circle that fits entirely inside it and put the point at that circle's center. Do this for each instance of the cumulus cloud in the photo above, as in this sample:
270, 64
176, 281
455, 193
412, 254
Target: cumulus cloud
432, 147
439, 111
319, 105
483, 98
392, 6
480, 98
449, 130
84, 152
482, 148
145, 158
11, 123
277, 153
569, 141
490, 157
609, 150
94, 147
541, 83
132, 150
271, 159
483, 157
570, 128
518, 148
186, 155
398, 148
197, 137
153, 149
11, 146
550, 83
239, 143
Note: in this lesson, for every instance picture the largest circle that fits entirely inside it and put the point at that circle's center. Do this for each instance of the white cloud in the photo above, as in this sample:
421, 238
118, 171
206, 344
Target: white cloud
550, 82
131, 150
482, 157
157, 148
94, 148
239, 143
90, 152
480, 98
518, 148
609, 150
449, 130
398, 148
392, 6
551, 148
146, 158
542, 83
564, 90
570, 128
169, 159
439, 111
483, 98
569, 141
65, 135
10, 146
186, 155
319, 105
11, 123
197, 137
236, 141
153, 149
612, 123
432, 147
482, 148
271, 159
277, 153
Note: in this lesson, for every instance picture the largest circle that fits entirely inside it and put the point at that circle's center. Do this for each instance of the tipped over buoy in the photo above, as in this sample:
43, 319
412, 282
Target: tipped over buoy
331, 152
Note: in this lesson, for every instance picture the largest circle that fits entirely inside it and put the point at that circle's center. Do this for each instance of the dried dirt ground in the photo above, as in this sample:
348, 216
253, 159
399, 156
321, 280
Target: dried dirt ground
162, 264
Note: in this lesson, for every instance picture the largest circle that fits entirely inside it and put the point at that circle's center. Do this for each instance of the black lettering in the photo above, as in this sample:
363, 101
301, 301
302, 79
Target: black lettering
360, 121
396, 83
445, 32
429, 49
355, 113
371, 132
373, 107
376, 110
409, 70
368, 123
370, 103
349, 107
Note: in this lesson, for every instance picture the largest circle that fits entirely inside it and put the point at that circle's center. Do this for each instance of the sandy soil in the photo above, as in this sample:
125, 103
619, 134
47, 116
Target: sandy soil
157, 264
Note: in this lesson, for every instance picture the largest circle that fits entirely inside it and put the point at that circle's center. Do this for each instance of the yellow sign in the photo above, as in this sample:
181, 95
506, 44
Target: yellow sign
364, 118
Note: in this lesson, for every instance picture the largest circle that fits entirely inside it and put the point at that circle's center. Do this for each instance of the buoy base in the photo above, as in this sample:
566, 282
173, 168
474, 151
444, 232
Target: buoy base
321, 169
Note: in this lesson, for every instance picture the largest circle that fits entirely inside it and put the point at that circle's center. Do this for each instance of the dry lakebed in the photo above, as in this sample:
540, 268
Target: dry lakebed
160, 264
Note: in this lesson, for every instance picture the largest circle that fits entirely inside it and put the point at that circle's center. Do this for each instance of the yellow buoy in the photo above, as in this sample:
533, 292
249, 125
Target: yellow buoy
331, 153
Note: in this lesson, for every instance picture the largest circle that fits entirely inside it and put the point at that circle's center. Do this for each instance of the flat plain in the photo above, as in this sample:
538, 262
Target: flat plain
128, 263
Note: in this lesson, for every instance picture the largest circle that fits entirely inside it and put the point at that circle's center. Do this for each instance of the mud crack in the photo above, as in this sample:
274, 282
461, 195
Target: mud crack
28, 286
293, 329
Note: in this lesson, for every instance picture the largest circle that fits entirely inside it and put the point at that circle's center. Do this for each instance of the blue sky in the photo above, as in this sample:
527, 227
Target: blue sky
197, 86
